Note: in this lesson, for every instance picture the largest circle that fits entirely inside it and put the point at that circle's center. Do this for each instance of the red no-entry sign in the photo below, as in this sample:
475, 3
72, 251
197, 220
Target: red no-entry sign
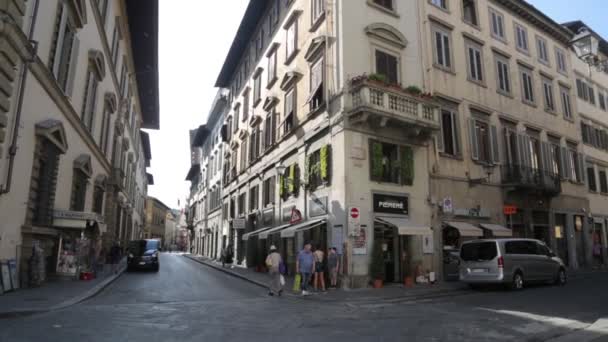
354, 213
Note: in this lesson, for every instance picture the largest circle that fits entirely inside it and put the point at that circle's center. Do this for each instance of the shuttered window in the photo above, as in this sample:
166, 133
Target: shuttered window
391, 163
79, 190
387, 65
483, 139
449, 142
48, 165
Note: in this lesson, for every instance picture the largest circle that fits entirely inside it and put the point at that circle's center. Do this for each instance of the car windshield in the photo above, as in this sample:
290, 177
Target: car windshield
478, 251
139, 247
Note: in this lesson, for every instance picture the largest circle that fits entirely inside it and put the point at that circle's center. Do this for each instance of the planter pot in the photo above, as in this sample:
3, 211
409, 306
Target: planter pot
409, 281
378, 283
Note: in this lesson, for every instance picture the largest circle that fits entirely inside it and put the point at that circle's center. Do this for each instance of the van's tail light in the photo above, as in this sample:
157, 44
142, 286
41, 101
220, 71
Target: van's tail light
501, 262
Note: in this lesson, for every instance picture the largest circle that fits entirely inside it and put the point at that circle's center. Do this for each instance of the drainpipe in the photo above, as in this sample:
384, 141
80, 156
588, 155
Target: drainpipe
22, 82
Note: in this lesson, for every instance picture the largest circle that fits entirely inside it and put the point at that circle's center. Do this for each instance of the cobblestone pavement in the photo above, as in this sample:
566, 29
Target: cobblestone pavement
187, 301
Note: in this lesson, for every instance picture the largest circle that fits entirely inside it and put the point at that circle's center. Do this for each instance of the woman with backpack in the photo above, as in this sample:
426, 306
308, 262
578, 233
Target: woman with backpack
274, 262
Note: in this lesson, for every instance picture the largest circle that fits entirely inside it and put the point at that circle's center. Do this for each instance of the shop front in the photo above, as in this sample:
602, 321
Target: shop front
405, 244
79, 242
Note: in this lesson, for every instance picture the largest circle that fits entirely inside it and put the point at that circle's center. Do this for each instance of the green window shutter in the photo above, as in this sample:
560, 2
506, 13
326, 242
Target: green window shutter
376, 161
407, 165
292, 178
308, 172
281, 186
325, 163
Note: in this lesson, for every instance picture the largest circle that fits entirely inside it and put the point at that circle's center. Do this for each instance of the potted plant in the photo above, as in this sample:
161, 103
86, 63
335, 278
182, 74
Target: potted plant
377, 78
413, 90
408, 277
377, 265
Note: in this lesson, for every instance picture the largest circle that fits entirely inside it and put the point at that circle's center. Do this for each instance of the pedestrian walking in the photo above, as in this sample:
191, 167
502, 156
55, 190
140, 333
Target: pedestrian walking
115, 253
597, 253
333, 265
273, 262
305, 264
319, 281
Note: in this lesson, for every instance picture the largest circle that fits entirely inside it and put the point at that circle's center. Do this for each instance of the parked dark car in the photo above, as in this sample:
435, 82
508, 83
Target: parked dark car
143, 254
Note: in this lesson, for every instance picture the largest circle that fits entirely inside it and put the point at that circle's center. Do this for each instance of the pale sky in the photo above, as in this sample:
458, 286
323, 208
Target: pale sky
195, 36
194, 39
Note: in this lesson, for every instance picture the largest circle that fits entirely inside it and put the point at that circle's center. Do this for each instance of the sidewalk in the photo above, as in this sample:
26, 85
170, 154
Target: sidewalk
55, 294
391, 293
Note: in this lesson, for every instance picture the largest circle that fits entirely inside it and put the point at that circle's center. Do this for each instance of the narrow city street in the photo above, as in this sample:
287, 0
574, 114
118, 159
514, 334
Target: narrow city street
187, 301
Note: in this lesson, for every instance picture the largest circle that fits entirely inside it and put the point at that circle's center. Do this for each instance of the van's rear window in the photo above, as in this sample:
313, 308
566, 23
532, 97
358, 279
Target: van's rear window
478, 251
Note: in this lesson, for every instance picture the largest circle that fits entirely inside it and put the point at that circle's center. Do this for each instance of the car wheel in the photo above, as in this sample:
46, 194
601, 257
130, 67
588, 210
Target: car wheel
474, 287
156, 268
561, 279
518, 282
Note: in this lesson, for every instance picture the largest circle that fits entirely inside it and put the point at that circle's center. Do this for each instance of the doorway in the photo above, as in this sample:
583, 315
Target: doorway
395, 251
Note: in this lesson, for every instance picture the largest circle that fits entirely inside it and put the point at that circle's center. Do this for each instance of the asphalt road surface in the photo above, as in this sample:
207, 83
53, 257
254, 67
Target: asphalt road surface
187, 301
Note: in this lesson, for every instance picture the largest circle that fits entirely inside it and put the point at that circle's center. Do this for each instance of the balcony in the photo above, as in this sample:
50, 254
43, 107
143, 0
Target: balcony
377, 103
531, 179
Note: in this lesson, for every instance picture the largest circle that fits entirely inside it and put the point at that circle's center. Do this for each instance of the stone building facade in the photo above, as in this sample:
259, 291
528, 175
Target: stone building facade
410, 126
73, 155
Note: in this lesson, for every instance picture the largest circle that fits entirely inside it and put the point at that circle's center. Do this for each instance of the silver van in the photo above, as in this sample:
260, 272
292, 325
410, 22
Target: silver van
512, 262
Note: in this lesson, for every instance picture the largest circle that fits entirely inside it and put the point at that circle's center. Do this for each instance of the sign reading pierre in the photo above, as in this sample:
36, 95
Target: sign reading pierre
391, 204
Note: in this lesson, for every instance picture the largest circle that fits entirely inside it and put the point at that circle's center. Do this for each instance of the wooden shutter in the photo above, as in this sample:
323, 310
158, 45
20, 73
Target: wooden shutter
494, 142
63, 12
376, 161
407, 165
73, 66
439, 140
547, 153
473, 140
565, 165
325, 162
581, 167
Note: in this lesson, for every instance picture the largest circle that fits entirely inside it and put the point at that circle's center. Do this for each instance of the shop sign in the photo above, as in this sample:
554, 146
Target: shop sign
354, 220
77, 215
391, 204
286, 215
296, 216
238, 223
317, 206
578, 223
558, 232
447, 205
360, 242
472, 212
427, 244
509, 210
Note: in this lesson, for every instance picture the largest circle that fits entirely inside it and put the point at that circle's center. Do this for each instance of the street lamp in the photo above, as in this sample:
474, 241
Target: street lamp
586, 46
280, 169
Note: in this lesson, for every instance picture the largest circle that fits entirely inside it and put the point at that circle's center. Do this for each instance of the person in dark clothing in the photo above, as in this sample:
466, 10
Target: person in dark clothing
115, 254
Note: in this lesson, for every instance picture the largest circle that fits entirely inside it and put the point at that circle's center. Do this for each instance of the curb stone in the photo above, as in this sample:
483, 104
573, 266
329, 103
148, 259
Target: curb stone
234, 274
67, 303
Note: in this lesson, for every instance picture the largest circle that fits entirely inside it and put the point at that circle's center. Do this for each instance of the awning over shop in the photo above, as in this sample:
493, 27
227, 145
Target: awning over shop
254, 233
465, 228
404, 226
497, 230
264, 234
300, 227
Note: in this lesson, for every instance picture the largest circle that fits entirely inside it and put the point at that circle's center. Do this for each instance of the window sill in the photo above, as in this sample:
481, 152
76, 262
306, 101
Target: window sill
446, 10
551, 111
320, 108
500, 39
545, 63
563, 72
271, 82
444, 69
451, 156
504, 93
472, 25
531, 104
479, 83
291, 57
522, 51
386, 182
383, 9
317, 22
571, 120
